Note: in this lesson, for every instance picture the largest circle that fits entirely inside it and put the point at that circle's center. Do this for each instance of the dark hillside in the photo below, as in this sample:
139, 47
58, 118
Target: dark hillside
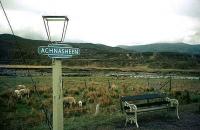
12, 50
24, 51
165, 47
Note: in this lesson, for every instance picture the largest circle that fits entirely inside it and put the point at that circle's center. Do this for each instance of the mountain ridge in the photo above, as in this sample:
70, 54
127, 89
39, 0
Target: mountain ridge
165, 47
11, 39
16, 50
153, 47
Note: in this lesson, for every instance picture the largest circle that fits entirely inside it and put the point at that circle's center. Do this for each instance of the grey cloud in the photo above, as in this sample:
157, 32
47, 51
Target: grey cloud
11, 4
32, 35
192, 9
196, 37
17, 5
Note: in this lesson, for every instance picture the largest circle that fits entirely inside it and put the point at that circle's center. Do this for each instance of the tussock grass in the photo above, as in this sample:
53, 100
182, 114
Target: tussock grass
91, 90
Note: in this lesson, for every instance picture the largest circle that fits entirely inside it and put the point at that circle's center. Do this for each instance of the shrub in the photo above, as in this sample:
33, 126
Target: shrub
182, 96
73, 91
47, 103
91, 88
151, 89
114, 93
91, 96
105, 100
101, 91
195, 97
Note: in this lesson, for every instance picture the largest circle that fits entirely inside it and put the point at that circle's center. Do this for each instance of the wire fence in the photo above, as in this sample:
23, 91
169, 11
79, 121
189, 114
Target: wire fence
44, 110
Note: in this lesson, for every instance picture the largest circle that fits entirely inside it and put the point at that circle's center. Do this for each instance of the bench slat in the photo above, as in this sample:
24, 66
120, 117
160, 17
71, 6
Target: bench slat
142, 97
148, 109
152, 104
153, 108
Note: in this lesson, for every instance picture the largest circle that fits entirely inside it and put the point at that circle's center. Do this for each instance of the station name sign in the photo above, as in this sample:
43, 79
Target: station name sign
58, 51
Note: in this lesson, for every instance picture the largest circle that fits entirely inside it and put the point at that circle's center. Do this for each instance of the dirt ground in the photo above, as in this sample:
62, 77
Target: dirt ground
163, 120
189, 120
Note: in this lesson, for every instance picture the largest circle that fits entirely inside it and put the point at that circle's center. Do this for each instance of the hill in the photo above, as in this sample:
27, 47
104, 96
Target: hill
14, 49
165, 47
24, 51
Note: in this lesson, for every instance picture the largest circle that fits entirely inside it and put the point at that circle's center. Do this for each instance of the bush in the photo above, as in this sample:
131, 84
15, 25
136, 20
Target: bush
183, 96
105, 100
195, 97
73, 91
91, 96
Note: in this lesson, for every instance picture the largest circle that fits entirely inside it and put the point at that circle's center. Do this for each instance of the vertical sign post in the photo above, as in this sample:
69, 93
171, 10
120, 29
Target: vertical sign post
57, 51
57, 95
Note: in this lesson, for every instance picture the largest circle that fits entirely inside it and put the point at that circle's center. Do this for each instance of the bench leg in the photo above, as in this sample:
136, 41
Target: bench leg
132, 119
129, 118
135, 120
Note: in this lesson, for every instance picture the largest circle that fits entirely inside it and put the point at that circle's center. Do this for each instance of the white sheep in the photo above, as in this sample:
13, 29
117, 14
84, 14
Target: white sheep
69, 100
80, 103
21, 86
18, 94
25, 92
22, 92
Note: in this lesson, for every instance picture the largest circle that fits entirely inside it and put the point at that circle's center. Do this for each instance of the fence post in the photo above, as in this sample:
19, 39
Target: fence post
109, 86
85, 83
148, 82
97, 109
170, 83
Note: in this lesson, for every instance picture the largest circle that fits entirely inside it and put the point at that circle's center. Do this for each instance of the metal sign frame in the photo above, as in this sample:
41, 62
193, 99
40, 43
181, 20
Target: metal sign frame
46, 20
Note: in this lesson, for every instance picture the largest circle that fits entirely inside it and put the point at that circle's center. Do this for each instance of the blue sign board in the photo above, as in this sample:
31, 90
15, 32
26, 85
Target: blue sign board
58, 51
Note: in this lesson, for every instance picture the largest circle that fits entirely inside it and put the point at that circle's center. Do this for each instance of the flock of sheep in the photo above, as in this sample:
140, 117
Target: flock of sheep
71, 101
23, 92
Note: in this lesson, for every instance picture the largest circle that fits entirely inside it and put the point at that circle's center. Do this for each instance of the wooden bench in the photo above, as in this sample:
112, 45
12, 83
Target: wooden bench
132, 105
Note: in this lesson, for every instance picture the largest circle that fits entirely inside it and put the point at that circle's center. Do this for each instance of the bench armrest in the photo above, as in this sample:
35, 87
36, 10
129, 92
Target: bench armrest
132, 107
173, 102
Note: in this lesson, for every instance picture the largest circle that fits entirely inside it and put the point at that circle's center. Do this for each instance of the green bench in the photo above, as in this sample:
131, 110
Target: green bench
133, 105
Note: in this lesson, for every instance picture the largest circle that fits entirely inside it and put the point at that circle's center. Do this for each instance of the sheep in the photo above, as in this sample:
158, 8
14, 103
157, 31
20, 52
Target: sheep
69, 100
25, 92
17, 93
21, 86
22, 92
80, 104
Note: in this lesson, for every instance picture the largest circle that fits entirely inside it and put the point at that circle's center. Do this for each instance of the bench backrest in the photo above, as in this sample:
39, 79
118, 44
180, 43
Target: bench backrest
140, 97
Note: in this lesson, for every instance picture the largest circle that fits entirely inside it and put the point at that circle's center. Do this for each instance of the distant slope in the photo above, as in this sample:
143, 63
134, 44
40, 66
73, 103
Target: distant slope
14, 47
7, 38
165, 47
24, 51
98, 47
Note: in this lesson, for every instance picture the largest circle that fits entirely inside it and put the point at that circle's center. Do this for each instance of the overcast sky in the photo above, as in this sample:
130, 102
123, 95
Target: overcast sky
110, 22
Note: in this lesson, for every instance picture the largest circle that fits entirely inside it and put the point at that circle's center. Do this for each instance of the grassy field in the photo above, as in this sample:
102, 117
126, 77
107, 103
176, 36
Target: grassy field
26, 113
